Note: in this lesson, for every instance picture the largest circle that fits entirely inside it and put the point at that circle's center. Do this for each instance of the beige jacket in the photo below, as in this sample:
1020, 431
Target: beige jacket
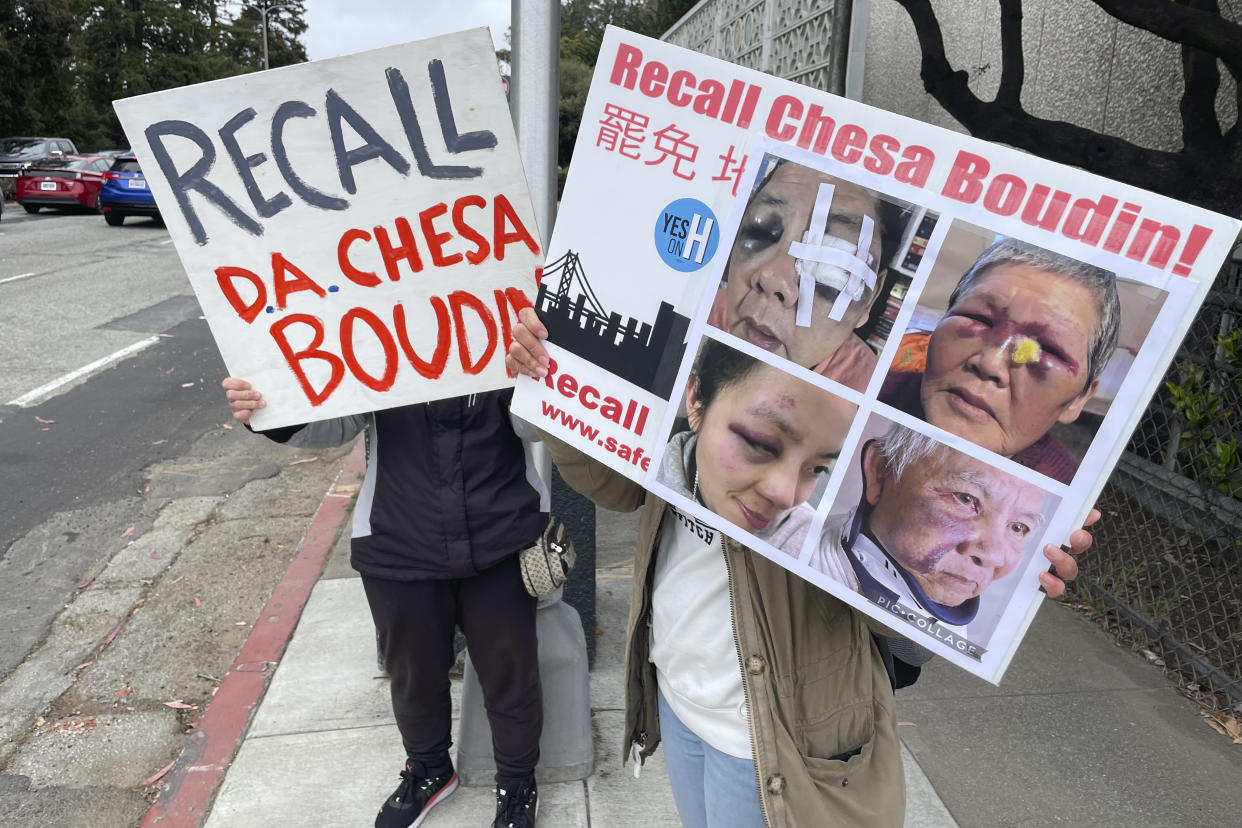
815, 685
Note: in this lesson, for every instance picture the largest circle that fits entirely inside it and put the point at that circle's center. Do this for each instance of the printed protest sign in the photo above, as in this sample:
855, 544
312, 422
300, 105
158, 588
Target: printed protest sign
358, 230
894, 359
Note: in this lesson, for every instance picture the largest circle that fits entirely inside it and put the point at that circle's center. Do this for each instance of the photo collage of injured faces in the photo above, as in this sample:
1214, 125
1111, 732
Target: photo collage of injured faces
901, 405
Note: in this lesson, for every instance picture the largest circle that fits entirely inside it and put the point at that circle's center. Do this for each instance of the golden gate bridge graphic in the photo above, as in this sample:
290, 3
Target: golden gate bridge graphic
644, 353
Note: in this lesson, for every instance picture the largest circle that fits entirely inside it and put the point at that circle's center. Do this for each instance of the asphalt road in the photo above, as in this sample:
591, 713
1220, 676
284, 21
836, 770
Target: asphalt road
75, 292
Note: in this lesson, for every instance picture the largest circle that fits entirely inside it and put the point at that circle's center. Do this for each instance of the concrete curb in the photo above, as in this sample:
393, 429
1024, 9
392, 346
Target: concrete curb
191, 784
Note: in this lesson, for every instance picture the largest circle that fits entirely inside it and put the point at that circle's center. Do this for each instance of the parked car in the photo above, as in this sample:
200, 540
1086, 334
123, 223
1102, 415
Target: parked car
108, 153
62, 181
17, 153
125, 192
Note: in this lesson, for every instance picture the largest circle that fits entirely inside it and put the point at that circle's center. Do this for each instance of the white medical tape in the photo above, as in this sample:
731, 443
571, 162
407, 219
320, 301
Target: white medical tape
849, 270
841, 258
806, 296
813, 237
854, 290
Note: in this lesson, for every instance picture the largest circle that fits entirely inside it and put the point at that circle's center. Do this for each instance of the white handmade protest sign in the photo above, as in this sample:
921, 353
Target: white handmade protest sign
894, 359
358, 230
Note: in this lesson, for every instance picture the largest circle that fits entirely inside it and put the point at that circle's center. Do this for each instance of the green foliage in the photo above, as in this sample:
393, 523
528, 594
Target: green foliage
63, 62
575, 81
582, 32
583, 23
1207, 452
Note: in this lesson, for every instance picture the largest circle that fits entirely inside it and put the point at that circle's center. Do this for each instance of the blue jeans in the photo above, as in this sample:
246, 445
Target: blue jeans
711, 789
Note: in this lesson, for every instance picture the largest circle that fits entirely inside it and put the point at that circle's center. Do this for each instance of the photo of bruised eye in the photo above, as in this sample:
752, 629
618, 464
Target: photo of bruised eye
761, 228
777, 294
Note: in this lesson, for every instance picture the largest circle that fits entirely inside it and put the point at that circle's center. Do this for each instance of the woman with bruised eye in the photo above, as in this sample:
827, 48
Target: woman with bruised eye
1021, 347
759, 301
758, 439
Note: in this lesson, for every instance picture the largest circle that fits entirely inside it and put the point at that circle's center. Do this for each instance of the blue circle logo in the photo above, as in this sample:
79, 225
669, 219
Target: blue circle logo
686, 234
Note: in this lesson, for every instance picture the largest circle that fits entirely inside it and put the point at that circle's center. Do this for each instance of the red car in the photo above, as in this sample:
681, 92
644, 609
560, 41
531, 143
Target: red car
62, 181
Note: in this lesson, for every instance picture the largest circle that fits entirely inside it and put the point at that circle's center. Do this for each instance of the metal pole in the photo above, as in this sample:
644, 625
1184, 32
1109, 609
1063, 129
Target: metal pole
263, 14
534, 97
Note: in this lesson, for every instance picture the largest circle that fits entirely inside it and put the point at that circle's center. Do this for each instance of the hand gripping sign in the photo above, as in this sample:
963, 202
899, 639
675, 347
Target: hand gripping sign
358, 230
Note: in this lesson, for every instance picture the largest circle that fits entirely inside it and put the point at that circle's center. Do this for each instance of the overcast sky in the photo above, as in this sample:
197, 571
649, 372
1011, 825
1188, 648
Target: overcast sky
342, 27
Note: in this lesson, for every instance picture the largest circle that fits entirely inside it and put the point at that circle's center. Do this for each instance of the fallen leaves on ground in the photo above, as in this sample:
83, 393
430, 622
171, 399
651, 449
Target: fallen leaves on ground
178, 704
151, 780
72, 727
45, 422
127, 532
1226, 725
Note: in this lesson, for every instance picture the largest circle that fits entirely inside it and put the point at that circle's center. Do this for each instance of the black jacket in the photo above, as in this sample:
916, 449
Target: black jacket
449, 489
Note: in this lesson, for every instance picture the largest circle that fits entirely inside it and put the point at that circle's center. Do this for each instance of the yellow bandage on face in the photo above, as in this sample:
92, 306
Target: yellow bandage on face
1025, 350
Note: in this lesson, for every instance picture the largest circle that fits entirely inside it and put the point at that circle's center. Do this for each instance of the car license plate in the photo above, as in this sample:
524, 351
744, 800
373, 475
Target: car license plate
137, 184
47, 185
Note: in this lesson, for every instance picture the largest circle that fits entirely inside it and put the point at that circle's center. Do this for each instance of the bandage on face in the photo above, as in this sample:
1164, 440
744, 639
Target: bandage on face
1024, 350
820, 259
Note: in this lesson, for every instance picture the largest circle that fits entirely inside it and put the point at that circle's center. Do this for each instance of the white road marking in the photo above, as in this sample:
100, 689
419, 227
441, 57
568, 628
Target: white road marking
44, 391
18, 276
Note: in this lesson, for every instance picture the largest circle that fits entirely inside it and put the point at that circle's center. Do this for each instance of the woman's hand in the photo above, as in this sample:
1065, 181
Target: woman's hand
242, 398
526, 353
1064, 563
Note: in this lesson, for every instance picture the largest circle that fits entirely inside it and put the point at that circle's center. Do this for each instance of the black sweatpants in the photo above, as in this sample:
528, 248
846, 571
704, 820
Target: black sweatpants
415, 621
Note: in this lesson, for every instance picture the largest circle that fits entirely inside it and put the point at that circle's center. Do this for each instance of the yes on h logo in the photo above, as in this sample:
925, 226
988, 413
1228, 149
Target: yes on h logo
686, 234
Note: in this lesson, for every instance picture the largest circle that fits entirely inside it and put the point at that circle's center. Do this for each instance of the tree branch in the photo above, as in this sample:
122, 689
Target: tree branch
1013, 61
1201, 79
1187, 26
1208, 173
938, 76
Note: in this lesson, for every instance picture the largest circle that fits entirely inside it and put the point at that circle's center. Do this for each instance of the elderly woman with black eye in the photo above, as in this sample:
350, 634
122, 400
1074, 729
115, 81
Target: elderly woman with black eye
764, 288
1021, 347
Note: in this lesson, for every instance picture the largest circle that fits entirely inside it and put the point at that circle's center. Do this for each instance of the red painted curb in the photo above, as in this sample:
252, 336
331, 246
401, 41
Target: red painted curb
192, 782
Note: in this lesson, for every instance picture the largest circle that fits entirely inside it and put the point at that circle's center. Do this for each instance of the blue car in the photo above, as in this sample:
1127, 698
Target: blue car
125, 192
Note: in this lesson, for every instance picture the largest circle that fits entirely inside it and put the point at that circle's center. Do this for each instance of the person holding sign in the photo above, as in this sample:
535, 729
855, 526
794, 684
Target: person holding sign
444, 510
933, 529
806, 266
1021, 347
757, 442
812, 739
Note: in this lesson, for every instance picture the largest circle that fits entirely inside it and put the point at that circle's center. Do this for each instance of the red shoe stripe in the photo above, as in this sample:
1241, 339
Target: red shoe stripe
440, 796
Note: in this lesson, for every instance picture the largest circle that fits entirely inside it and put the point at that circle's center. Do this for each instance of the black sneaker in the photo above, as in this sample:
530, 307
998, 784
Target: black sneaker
417, 794
516, 805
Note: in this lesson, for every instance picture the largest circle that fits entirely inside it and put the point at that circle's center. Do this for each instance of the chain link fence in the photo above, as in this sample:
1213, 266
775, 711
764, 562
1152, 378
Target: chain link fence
1165, 573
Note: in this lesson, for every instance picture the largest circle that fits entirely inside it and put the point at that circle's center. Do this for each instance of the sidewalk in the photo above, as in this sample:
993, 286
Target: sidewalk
1079, 733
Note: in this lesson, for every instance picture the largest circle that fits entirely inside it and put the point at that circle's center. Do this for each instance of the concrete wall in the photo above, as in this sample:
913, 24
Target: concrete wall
1082, 66
793, 39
